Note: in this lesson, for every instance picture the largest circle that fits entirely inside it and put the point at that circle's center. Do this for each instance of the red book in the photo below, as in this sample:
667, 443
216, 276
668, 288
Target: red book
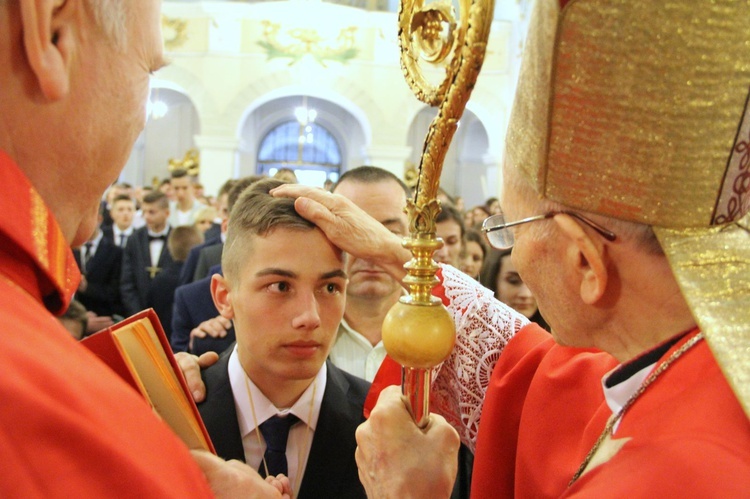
138, 351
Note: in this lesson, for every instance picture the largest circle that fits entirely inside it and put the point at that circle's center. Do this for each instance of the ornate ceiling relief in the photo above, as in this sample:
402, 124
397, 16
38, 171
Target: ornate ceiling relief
174, 32
296, 43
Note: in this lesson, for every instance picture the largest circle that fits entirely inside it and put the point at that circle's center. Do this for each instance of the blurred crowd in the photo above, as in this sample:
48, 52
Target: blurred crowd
153, 239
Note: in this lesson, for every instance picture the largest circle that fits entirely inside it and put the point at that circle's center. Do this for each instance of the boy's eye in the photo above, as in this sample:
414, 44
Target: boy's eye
332, 288
279, 287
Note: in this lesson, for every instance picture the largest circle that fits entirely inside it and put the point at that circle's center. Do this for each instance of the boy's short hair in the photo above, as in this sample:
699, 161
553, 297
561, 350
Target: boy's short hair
367, 174
158, 198
122, 197
178, 173
257, 213
181, 240
206, 213
239, 187
226, 187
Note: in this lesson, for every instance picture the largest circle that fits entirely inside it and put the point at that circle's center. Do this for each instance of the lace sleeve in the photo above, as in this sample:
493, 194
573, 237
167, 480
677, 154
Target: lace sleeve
483, 328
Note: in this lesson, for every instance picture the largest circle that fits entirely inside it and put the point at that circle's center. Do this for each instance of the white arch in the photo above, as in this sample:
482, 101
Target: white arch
311, 91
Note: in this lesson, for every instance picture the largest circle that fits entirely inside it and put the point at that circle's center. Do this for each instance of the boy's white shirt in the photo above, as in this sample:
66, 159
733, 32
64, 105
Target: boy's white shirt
300, 436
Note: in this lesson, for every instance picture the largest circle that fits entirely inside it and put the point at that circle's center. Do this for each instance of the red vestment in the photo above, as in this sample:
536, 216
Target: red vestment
70, 426
688, 435
543, 408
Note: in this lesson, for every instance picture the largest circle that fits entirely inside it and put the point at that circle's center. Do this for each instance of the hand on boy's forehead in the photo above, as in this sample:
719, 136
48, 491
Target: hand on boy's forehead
281, 272
295, 254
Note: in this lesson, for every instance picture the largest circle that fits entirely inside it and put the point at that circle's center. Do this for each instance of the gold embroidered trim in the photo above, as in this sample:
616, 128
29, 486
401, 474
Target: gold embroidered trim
39, 228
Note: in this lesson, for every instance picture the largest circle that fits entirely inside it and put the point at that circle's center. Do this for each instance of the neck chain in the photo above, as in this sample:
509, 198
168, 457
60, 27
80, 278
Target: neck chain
615, 418
302, 452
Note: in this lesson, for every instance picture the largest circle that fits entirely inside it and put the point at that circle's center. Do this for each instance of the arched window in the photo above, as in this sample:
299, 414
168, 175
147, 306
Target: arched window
308, 149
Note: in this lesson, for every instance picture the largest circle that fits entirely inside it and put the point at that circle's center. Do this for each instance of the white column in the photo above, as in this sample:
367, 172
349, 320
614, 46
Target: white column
493, 163
134, 171
391, 158
218, 160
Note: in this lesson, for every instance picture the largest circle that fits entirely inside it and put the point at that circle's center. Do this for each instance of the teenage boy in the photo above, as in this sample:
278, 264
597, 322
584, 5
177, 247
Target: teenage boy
183, 209
146, 254
272, 400
122, 214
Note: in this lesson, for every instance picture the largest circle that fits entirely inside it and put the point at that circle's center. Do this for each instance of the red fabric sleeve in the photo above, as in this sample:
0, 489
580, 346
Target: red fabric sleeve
389, 374
495, 456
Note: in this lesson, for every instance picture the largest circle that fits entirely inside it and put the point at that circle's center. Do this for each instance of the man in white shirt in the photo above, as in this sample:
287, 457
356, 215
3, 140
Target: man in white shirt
372, 291
286, 306
183, 209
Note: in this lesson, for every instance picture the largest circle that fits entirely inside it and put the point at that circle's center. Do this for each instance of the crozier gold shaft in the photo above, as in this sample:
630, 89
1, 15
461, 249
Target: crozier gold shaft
418, 332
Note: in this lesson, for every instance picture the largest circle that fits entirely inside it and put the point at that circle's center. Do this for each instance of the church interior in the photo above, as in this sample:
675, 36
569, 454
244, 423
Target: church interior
314, 86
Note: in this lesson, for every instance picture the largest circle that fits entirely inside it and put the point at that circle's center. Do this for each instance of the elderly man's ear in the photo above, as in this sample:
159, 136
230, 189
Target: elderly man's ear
49, 41
587, 256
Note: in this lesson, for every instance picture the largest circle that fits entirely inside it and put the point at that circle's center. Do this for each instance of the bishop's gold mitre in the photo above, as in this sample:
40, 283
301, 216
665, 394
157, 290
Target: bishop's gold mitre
638, 110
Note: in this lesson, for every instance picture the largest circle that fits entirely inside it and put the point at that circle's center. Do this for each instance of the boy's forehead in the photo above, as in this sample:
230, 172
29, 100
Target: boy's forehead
280, 250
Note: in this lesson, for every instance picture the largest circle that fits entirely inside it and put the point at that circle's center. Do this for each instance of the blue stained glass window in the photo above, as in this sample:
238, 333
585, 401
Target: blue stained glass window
304, 149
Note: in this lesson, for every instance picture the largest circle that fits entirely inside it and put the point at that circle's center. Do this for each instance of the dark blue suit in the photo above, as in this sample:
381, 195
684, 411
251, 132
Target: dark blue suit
102, 273
213, 232
193, 304
135, 278
209, 258
188, 270
331, 470
161, 294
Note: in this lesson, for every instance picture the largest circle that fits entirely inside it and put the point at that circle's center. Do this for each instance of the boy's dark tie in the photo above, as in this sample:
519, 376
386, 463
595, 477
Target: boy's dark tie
275, 432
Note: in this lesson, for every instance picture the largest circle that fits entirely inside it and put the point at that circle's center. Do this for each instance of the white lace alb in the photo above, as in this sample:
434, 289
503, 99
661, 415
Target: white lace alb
484, 326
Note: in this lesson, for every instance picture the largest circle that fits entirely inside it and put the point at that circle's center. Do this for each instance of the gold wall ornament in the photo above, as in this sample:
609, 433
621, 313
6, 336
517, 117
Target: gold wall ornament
418, 332
296, 43
190, 162
174, 32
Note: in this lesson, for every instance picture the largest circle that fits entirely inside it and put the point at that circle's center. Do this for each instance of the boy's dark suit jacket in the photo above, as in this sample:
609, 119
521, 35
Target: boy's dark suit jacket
135, 278
102, 294
109, 233
193, 304
207, 259
188, 270
331, 470
160, 295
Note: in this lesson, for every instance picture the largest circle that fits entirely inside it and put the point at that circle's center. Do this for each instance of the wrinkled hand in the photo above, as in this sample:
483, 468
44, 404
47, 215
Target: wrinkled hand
282, 483
191, 366
397, 459
349, 227
215, 328
83, 285
233, 479
97, 322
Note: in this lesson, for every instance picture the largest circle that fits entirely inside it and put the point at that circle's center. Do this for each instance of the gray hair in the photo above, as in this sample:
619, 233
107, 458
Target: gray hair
111, 16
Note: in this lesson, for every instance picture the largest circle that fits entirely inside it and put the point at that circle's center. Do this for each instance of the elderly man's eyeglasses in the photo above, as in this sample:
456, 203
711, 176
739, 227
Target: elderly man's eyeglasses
501, 236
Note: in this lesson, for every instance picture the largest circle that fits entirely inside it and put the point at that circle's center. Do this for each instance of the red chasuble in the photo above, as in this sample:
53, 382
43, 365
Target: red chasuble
542, 409
685, 436
70, 426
